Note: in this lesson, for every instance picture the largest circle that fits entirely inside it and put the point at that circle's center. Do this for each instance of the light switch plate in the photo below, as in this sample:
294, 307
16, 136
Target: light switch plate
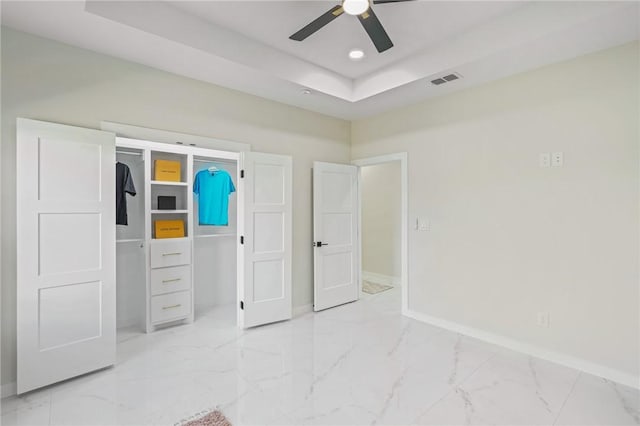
544, 159
422, 224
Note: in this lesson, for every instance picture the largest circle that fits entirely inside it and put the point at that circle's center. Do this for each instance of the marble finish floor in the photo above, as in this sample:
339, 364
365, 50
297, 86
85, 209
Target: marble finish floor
358, 364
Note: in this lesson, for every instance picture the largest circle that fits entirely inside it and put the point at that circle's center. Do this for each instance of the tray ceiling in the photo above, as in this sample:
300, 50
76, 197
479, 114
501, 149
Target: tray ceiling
244, 45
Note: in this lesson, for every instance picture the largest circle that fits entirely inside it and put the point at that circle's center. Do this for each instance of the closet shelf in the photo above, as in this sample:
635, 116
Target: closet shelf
215, 235
167, 183
168, 211
154, 240
132, 240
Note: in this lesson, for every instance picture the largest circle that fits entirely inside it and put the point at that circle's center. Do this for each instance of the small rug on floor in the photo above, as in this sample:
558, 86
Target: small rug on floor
214, 418
373, 288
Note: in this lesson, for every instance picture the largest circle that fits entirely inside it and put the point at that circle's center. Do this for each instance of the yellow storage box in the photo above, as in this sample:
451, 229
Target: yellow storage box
169, 228
167, 170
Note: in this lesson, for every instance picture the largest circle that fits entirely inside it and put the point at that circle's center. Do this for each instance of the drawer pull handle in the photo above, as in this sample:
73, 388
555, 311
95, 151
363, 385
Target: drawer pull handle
172, 254
164, 308
171, 281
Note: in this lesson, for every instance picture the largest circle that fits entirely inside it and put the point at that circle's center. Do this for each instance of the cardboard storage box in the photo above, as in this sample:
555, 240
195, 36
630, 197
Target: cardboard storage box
167, 170
169, 228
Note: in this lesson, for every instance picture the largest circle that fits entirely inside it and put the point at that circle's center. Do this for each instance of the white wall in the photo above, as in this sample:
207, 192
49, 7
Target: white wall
45, 80
509, 239
380, 191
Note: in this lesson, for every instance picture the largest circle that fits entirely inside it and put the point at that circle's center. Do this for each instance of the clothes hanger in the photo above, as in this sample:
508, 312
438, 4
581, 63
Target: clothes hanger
213, 169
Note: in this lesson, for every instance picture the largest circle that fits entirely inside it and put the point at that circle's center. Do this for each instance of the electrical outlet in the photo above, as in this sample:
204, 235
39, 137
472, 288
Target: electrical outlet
557, 159
543, 319
544, 159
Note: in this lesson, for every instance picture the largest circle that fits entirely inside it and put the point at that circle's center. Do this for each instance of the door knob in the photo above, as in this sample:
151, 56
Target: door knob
319, 244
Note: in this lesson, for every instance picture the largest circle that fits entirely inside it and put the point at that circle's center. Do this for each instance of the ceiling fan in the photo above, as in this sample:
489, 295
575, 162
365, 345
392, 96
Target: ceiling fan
360, 8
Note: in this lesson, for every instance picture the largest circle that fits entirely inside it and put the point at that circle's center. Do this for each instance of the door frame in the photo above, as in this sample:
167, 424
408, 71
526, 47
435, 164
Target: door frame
404, 218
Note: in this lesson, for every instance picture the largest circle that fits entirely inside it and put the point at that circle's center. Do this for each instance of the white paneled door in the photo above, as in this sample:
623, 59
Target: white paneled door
335, 208
266, 252
66, 252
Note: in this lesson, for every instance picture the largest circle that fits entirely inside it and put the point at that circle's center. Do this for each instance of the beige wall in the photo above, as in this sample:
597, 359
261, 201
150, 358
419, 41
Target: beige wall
380, 192
509, 239
49, 81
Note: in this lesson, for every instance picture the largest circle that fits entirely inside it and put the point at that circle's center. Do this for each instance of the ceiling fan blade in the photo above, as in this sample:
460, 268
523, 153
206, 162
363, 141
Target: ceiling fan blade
376, 31
318, 23
389, 1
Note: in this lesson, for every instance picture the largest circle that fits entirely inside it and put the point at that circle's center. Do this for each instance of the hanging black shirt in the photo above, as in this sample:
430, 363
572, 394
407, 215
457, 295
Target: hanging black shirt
124, 185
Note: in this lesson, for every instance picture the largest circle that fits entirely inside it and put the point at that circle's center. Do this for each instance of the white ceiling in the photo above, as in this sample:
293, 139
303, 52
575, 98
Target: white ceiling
244, 45
413, 26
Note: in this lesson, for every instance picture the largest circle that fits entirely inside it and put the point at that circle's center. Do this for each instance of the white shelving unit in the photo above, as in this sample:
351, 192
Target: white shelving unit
169, 270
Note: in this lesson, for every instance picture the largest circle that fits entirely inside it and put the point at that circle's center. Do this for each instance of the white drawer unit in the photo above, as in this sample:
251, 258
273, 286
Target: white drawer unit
169, 280
170, 253
169, 307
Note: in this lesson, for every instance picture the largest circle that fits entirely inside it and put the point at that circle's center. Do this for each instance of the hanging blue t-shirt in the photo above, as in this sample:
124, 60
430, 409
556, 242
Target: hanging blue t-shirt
213, 189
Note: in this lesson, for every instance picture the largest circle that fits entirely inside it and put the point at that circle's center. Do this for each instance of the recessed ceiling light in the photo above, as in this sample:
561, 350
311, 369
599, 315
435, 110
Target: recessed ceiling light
356, 54
306, 92
355, 7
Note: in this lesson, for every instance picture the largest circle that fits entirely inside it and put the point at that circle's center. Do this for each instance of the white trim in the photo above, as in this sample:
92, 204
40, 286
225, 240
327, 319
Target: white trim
301, 310
380, 278
167, 137
533, 350
404, 221
8, 389
143, 144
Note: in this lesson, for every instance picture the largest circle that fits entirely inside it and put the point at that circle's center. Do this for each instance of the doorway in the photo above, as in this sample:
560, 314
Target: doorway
383, 200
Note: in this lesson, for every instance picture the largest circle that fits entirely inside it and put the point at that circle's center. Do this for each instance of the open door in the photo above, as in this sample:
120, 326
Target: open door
335, 219
66, 311
265, 258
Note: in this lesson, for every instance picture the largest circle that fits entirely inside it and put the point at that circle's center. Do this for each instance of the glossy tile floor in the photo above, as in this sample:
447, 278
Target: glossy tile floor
357, 364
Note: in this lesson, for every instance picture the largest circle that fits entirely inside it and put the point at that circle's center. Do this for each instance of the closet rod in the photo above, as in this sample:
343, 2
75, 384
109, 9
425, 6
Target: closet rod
197, 160
128, 153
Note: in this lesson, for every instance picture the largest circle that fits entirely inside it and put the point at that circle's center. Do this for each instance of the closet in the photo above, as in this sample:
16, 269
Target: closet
80, 276
185, 276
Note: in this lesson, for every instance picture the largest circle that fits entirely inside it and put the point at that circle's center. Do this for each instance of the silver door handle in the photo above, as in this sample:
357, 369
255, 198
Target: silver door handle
172, 254
171, 281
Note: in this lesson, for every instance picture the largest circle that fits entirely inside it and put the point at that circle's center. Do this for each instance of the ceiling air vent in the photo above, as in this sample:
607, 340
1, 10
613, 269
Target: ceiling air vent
446, 79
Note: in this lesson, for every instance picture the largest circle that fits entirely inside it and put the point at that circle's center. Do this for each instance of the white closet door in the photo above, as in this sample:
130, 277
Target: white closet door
335, 204
66, 252
265, 263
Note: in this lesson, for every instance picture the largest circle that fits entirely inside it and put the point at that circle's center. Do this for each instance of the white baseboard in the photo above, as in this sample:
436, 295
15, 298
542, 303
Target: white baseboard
533, 350
380, 279
301, 310
8, 389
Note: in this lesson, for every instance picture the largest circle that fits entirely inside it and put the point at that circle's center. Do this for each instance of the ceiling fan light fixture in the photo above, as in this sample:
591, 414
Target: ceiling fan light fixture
355, 7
